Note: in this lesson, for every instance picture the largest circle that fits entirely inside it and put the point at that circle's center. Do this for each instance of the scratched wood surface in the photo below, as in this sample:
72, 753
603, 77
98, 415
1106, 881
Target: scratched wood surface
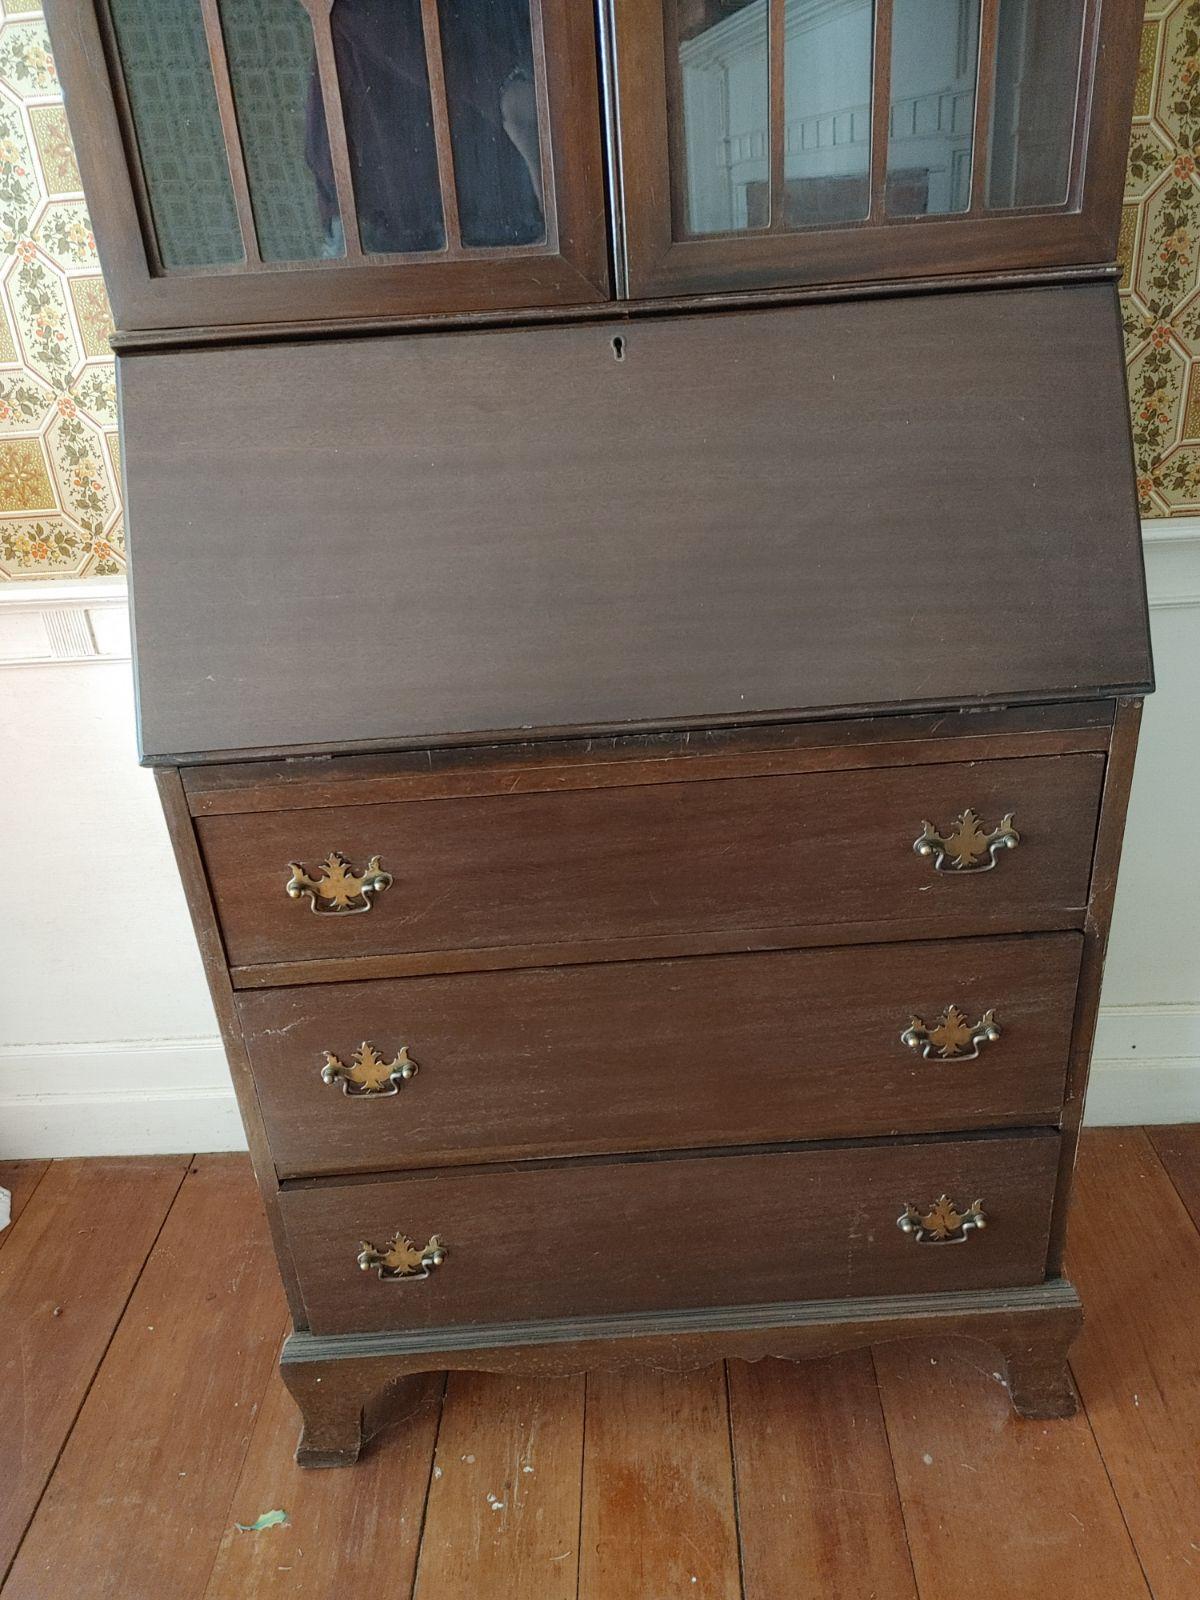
143, 1428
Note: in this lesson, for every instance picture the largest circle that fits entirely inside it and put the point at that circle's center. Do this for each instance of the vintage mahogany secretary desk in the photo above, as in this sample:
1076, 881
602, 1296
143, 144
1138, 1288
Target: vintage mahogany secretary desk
640, 626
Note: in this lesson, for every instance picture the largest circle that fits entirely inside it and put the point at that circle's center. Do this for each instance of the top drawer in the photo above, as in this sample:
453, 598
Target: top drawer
721, 864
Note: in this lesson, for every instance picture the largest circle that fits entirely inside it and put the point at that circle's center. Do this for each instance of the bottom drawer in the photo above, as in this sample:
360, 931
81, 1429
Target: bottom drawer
596, 1237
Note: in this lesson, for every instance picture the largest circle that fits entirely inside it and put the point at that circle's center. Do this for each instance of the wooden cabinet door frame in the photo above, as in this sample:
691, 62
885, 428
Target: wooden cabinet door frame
658, 260
570, 268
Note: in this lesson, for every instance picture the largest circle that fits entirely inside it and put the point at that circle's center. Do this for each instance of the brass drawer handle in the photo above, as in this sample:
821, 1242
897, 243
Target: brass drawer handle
951, 1038
943, 1223
963, 849
368, 1073
402, 1258
338, 891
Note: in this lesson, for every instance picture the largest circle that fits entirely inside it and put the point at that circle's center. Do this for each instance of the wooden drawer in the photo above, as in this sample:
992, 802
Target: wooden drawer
597, 1237
642, 1055
537, 878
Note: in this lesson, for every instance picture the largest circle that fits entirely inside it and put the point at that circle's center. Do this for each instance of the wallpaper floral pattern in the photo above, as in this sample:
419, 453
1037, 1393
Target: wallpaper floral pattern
1160, 251
60, 500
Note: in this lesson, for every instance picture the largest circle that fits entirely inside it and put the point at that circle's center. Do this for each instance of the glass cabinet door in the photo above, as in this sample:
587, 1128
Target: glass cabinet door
808, 141
305, 159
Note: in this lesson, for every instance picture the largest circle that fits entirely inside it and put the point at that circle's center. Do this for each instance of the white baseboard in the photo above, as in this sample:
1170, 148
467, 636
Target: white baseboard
1120, 1096
130, 1098
1145, 1066
163, 1097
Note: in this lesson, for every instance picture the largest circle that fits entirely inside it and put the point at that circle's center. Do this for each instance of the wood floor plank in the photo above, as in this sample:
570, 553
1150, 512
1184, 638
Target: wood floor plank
65, 1277
1178, 1149
993, 1505
818, 1508
138, 1501
659, 1515
502, 1520
353, 1531
20, 1178
1135, 1254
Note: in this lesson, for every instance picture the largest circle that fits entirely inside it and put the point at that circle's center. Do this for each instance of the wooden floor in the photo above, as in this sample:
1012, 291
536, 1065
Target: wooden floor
141, 1420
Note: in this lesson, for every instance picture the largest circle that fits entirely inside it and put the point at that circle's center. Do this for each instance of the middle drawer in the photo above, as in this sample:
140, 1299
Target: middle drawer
650, 1055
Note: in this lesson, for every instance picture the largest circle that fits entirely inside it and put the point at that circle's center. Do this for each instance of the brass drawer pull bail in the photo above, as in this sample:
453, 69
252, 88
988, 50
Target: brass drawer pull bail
338, 891
943, 1223
368, 1072
963, 849
402, 1258
951, 1038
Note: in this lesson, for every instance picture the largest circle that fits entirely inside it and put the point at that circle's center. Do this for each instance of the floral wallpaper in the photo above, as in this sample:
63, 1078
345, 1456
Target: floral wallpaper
1160, 252
60, 499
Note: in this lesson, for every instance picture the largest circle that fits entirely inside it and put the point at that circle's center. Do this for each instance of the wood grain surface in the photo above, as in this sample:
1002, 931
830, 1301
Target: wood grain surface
155, 1455
20, 1178
660, 1516
339, 1523
818, 1509
504, 1503
644, 1055
638, 1235
994, 1505
1178, 1148
821, 849
527, 766
60, 1313
1136, 1251
547, 537
827, 1502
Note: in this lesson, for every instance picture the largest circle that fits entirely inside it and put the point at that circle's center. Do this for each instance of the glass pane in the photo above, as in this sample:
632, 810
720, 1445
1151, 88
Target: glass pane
380, 50
281, 119
1033, 116
935, 59
725, 95
487, 60
168, 77
827, 111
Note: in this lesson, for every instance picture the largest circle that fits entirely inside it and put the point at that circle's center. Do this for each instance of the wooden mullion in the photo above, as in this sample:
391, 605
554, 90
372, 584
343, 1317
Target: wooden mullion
227, 110
985, 93
541, 86
1089, 47
881, 108
335, 122
776, 118
440, 106
676, 139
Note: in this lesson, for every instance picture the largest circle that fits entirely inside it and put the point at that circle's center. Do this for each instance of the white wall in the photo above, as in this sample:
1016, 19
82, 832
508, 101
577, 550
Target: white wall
1146, 1066
108, 1042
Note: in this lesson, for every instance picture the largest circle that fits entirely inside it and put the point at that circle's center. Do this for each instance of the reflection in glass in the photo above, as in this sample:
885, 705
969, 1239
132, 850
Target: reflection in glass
935, 51
379, 46
1033, 117
168, 78
487, 60
827, 111
724, 111
276, 89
